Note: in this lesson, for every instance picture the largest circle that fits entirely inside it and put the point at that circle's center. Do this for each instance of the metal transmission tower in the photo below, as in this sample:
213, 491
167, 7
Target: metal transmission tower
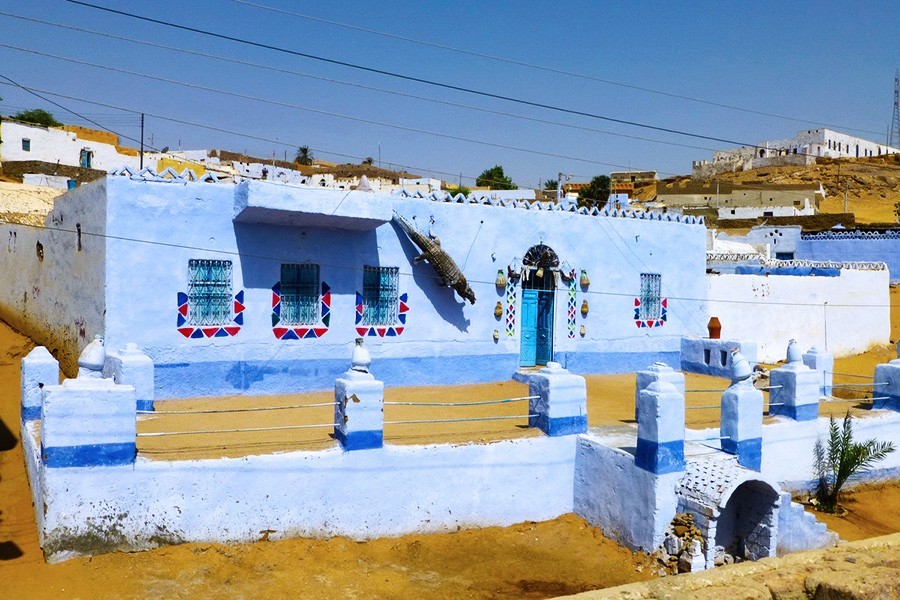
894, 137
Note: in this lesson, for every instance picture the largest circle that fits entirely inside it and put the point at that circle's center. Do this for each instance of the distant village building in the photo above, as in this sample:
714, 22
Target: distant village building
744, 202
46, 148
803, 149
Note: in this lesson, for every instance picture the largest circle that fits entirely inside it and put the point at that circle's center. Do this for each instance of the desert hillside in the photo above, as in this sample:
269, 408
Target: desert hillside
874, 184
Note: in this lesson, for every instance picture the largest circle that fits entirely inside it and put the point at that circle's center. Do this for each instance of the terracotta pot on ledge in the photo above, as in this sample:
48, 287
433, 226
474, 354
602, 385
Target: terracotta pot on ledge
714, 327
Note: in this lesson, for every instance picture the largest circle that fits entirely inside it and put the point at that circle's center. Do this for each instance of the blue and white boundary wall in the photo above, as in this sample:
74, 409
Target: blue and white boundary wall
843, 315
125, 287
875, 246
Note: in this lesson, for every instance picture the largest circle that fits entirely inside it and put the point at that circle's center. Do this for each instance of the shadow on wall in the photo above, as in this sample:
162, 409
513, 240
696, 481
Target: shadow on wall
444, 300
264, 248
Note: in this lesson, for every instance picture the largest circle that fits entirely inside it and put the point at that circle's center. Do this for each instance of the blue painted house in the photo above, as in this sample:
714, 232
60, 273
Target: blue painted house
262, 287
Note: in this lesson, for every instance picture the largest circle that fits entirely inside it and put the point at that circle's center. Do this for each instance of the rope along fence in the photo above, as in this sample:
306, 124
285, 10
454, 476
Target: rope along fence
854, 392
461, 404
718, 406
223, 411
216, 411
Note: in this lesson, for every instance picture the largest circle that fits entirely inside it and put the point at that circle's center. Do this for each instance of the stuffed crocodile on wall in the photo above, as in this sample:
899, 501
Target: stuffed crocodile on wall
431, 249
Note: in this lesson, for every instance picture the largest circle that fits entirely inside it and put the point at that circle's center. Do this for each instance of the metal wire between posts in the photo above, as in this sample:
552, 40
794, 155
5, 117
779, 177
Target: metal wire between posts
240, 430
478, 403
457, 420
204, 411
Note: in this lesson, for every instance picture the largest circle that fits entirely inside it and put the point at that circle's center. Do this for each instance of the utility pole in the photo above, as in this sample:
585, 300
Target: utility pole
846, 193
142, 141
717, 193
894, 140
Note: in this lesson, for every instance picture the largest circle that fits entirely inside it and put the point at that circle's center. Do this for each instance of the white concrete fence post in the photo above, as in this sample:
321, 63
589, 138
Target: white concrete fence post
359, 404
742, 415
130, 366
800, 388
558, 401
88, 421
658, 371
822, 362
39, 369
887, 385
660, 438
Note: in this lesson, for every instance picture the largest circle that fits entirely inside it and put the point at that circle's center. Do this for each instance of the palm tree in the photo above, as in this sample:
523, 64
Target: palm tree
369, 161
841, 459
304, 156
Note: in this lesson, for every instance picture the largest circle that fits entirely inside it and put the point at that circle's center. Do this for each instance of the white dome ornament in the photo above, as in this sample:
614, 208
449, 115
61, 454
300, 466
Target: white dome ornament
740, 367
92, 359
793, 352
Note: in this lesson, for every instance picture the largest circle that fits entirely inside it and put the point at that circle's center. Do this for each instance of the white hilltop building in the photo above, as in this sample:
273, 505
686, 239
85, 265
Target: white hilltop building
802, 149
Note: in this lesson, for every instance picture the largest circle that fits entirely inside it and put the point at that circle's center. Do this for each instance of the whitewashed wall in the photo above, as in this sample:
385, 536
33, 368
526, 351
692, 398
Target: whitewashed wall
389, 491
773, 309
58, 301
52, 145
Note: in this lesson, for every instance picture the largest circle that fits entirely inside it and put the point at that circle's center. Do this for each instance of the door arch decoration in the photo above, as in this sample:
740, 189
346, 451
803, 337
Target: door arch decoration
536, 315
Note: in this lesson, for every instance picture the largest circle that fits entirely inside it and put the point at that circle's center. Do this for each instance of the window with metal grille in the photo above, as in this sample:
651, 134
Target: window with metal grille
209, 292
380, 295
300, 294
651, 296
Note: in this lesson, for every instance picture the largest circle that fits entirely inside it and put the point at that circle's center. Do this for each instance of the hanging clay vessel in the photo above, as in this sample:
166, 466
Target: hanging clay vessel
585, 281
498, 310
501, 279
584, 308
583, 331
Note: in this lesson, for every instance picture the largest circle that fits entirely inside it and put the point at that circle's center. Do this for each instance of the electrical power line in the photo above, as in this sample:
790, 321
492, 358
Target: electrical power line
230, 131
348, 83
435, 277
545, 68
316, 110
411, 78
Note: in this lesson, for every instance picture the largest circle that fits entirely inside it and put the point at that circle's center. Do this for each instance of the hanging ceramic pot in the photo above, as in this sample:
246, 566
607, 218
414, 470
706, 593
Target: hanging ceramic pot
585, 281
501, 279
584, 308
498, 310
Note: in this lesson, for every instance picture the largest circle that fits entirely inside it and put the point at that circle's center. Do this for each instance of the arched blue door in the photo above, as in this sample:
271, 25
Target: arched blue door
537, 318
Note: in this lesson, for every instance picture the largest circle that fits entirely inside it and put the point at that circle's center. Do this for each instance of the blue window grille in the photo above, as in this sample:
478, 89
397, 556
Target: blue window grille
300, 294
26, 145
209, 292
651, 296
380, 295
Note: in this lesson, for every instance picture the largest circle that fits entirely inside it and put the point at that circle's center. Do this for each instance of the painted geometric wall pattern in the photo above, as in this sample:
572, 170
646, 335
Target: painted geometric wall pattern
382, 330
571, 307
664, 303
196, 332
301, 332
510, 309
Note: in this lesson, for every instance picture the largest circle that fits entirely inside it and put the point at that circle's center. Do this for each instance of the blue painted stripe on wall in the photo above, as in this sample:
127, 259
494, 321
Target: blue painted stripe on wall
89, 455
360, 440
145, 405
660, 458
31, 413
889, 403
587, 363
749, 452
559, 425
802, 412
185, 380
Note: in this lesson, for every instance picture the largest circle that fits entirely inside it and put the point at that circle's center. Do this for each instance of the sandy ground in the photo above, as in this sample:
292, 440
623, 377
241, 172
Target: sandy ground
529, 560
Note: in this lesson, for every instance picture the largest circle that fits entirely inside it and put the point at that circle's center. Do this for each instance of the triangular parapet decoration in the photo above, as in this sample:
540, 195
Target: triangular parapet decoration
123, 171
188, 175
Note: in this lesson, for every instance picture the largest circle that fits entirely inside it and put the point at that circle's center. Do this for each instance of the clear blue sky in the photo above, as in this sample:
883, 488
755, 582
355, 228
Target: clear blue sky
822, 62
